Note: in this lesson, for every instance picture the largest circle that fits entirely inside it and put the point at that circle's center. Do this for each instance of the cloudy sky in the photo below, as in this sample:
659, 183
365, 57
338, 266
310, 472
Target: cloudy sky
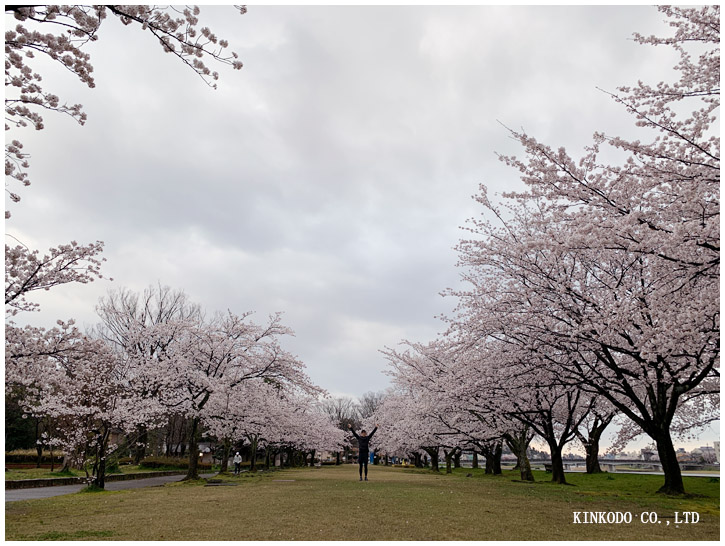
328, 178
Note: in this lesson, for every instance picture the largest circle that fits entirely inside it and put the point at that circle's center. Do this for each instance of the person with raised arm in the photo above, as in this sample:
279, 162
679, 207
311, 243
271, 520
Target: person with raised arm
363, 442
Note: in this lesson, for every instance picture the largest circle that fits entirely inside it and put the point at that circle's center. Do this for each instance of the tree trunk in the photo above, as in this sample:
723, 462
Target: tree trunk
99, 479
525, 468
139, 449
518, 444
591, 442
449, 459
592, 456
457, 459
497, 453
433, 452
557, 463
169, 440
670, 466
193, 472
38, 445
65, 465
253, 455
493, 453
488, 454
227, 447
474, 464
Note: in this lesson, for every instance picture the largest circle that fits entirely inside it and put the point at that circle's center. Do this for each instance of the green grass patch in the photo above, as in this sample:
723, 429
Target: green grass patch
396, 504
38, 473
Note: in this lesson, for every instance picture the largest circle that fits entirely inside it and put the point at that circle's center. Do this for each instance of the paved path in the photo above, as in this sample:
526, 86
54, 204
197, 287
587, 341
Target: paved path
12, 495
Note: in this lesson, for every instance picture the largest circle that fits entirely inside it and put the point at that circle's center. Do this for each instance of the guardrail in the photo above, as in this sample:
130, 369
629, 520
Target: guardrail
611, 464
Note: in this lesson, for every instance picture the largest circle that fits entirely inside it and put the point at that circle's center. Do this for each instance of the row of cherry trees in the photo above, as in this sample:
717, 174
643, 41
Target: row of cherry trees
155, 356
593, 293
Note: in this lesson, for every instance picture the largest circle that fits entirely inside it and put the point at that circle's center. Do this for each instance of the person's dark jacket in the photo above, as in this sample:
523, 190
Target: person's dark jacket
363, 442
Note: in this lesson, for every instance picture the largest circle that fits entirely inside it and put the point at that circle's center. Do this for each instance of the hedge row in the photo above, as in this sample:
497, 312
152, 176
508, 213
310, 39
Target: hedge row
32, 458
170, 462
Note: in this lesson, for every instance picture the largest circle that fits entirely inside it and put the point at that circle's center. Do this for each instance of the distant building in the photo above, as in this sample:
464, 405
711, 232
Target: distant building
706, 454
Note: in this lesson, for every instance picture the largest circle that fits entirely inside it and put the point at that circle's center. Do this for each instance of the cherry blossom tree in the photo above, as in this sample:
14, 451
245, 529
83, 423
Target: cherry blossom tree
217, 355
610, 273
78, 382
125, 315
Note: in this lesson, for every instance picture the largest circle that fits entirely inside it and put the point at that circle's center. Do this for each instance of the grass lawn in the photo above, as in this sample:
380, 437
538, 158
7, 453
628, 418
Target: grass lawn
36, 473
330, 503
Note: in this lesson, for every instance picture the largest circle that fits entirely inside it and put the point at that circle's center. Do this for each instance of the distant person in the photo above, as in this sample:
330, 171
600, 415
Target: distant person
363, 442
237, 463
